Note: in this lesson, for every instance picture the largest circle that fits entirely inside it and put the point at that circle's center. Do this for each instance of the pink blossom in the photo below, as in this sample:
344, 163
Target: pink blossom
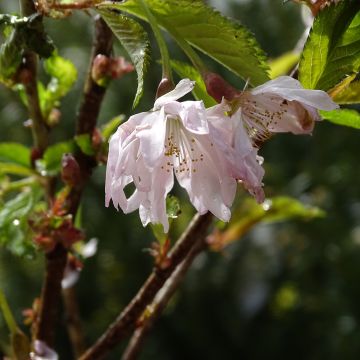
173, 138
282, 105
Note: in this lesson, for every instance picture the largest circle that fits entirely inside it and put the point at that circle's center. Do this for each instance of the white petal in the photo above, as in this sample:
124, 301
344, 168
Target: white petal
43, 352
205, 178
291, 89
193, 116
152, 138
181, 89
153, 207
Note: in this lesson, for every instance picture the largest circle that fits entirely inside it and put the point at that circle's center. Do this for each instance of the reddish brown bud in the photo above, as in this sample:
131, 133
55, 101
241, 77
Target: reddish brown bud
218, 88
70, 171
36, 154
105, 68
164, 87
119, 67
100, 68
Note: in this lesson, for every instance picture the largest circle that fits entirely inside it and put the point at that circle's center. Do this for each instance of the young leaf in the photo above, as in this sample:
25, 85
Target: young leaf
15, 153
225, 40
14, 228
10, 56
332, 50
249, 213
15, 169
135, 41
50, 164
109, 128
185, 70
84, 142
283, 64
63, 76
36, 38
345, 117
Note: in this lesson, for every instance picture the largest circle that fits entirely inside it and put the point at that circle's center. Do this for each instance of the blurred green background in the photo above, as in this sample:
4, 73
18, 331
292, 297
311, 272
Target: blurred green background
285, 290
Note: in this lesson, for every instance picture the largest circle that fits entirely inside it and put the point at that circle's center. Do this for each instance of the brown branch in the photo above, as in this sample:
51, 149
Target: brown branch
86, 122
73, 321
161, 300
29, 71
127, 319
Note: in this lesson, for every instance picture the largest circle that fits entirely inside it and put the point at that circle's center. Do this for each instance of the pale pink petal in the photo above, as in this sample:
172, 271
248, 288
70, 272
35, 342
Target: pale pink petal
182, 88
291, 89
43, 352
193, 116
153, 207
152, 137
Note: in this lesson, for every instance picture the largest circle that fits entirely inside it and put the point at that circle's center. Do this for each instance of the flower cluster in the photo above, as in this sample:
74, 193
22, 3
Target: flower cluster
208, 150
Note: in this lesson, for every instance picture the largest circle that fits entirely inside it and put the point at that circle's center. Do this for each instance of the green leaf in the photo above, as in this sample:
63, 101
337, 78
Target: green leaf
185, 70
15, 169
158, 231
28, 34
36, 38
10, 57
50, 164
283, 64
221, 38
85, 144
15, 153
332, 50
109, 128
63, 76
15, 233
135, 41
345, 117
350, 95
249, 213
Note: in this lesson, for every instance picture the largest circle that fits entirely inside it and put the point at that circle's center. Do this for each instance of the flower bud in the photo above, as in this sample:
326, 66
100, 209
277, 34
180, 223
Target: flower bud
70, 170
218, 88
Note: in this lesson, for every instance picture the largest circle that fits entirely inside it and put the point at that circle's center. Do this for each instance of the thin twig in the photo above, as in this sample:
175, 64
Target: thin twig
29, 66
161, 300
73, 321
127, 319
93, 95
56, 259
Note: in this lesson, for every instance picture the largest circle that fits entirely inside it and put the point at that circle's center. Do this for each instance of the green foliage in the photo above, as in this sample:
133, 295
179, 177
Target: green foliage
283, 64
15, 234
109, 128
15, 153
10, 56
15, 169
28, 34
332, 50
225, 40
135, 41
63, 76
185, 70
344, 117
350, 95
84, 142
50, 164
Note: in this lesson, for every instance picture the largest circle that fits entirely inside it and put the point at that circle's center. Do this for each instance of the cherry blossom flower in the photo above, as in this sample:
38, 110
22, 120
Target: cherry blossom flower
174, 138
282, 105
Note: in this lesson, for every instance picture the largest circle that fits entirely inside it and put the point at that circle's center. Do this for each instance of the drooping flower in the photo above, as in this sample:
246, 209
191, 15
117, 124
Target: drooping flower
174, 138
282, 105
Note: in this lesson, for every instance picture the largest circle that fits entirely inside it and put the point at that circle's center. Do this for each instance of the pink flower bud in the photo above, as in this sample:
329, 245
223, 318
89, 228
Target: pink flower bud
70, 171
